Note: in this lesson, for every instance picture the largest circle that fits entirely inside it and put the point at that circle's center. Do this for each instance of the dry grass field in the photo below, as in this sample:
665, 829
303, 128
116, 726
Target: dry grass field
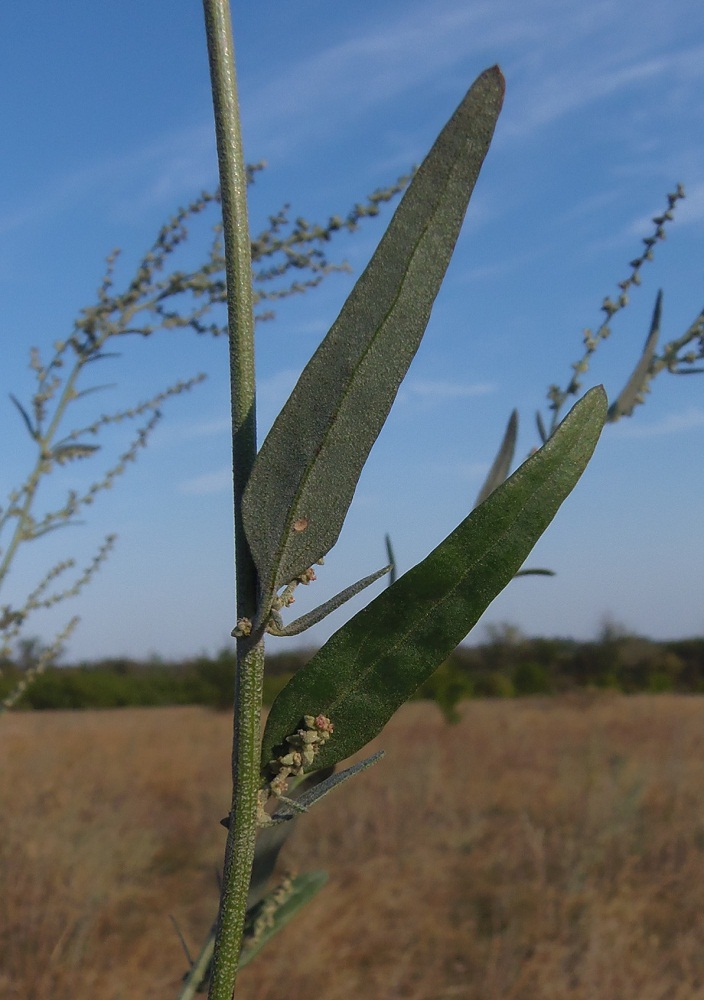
538, 850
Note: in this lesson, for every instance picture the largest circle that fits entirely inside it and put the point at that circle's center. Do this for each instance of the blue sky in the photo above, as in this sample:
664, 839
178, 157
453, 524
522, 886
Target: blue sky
107, 130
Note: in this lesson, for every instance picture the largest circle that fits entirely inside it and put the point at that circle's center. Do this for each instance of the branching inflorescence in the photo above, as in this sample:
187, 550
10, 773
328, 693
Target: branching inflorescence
289, 257
673, 356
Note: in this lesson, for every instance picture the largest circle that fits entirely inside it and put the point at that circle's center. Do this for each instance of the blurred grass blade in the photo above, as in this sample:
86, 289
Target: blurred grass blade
502, 463
320, 790
306, 472
378, 659
629, 396
301, 891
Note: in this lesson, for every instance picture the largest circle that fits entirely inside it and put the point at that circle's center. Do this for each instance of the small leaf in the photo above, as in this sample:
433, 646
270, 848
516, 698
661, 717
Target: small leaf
25, 417
377, 660
317, 615
627, 400
99, 356
302, 890
69, 452
306, 472
271, 839
541, 427
502, 462
392, 560
536, 572
94, 388
320, 790
39, 530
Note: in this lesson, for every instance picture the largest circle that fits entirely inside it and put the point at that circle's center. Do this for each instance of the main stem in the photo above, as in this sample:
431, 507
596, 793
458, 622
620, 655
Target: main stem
239, 852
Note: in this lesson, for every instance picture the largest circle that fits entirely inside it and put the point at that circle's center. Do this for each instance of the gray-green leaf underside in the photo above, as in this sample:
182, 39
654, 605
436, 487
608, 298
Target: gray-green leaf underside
502, 463
376, 661
627, 399
306, 472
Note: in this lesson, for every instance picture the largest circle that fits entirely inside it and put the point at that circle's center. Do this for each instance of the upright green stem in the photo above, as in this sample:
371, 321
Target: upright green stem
250, 659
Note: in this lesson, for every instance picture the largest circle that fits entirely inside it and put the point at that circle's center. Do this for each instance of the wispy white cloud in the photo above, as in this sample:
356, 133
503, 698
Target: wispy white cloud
465, 472
438, 390
349, 79
170, 167
689, 212
273, 390
219, 481
205, 428
542, 46
568, 89
672, 423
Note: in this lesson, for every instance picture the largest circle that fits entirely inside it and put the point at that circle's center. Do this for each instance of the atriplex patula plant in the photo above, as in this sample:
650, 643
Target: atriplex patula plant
289, 258
291, 498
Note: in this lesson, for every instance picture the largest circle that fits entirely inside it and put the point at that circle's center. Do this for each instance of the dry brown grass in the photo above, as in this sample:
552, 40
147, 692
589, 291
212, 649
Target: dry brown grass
537, 850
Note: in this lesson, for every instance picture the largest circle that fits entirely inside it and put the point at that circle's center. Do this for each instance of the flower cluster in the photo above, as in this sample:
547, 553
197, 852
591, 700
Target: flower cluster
305, 744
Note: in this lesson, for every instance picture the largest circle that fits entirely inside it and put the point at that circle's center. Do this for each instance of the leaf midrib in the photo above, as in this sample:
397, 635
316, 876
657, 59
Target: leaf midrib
329, 426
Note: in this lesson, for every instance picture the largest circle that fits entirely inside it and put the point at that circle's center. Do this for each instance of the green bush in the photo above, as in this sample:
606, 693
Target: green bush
449, 685
532, 678
494, 684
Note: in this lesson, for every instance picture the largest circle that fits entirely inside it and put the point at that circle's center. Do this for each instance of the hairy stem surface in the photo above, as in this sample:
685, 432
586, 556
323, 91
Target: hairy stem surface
250, 659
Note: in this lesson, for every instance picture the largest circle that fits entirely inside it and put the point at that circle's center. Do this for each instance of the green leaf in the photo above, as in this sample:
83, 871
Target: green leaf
502, 462
271, 839
628, 398
541, 427
69, 452
302, 890
536, 572
323, 788
306, 472
377, 660
94, 388
322, 611
25, 416
392, 560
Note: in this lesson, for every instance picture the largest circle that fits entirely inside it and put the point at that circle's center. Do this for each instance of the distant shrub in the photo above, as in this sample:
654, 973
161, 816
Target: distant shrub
536, 666
532, 678
494, 684
449, 685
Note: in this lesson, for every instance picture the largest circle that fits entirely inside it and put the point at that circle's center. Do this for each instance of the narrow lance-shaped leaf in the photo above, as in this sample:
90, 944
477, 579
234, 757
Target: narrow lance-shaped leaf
392, 560
379, 658
305, 475
317, 614
319, 791
301, 891
25, 416
536, 572
541, 427
502, 463
280, 910
627, 400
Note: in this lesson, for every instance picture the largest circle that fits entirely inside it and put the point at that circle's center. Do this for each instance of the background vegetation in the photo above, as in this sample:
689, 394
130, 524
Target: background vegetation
507, 665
